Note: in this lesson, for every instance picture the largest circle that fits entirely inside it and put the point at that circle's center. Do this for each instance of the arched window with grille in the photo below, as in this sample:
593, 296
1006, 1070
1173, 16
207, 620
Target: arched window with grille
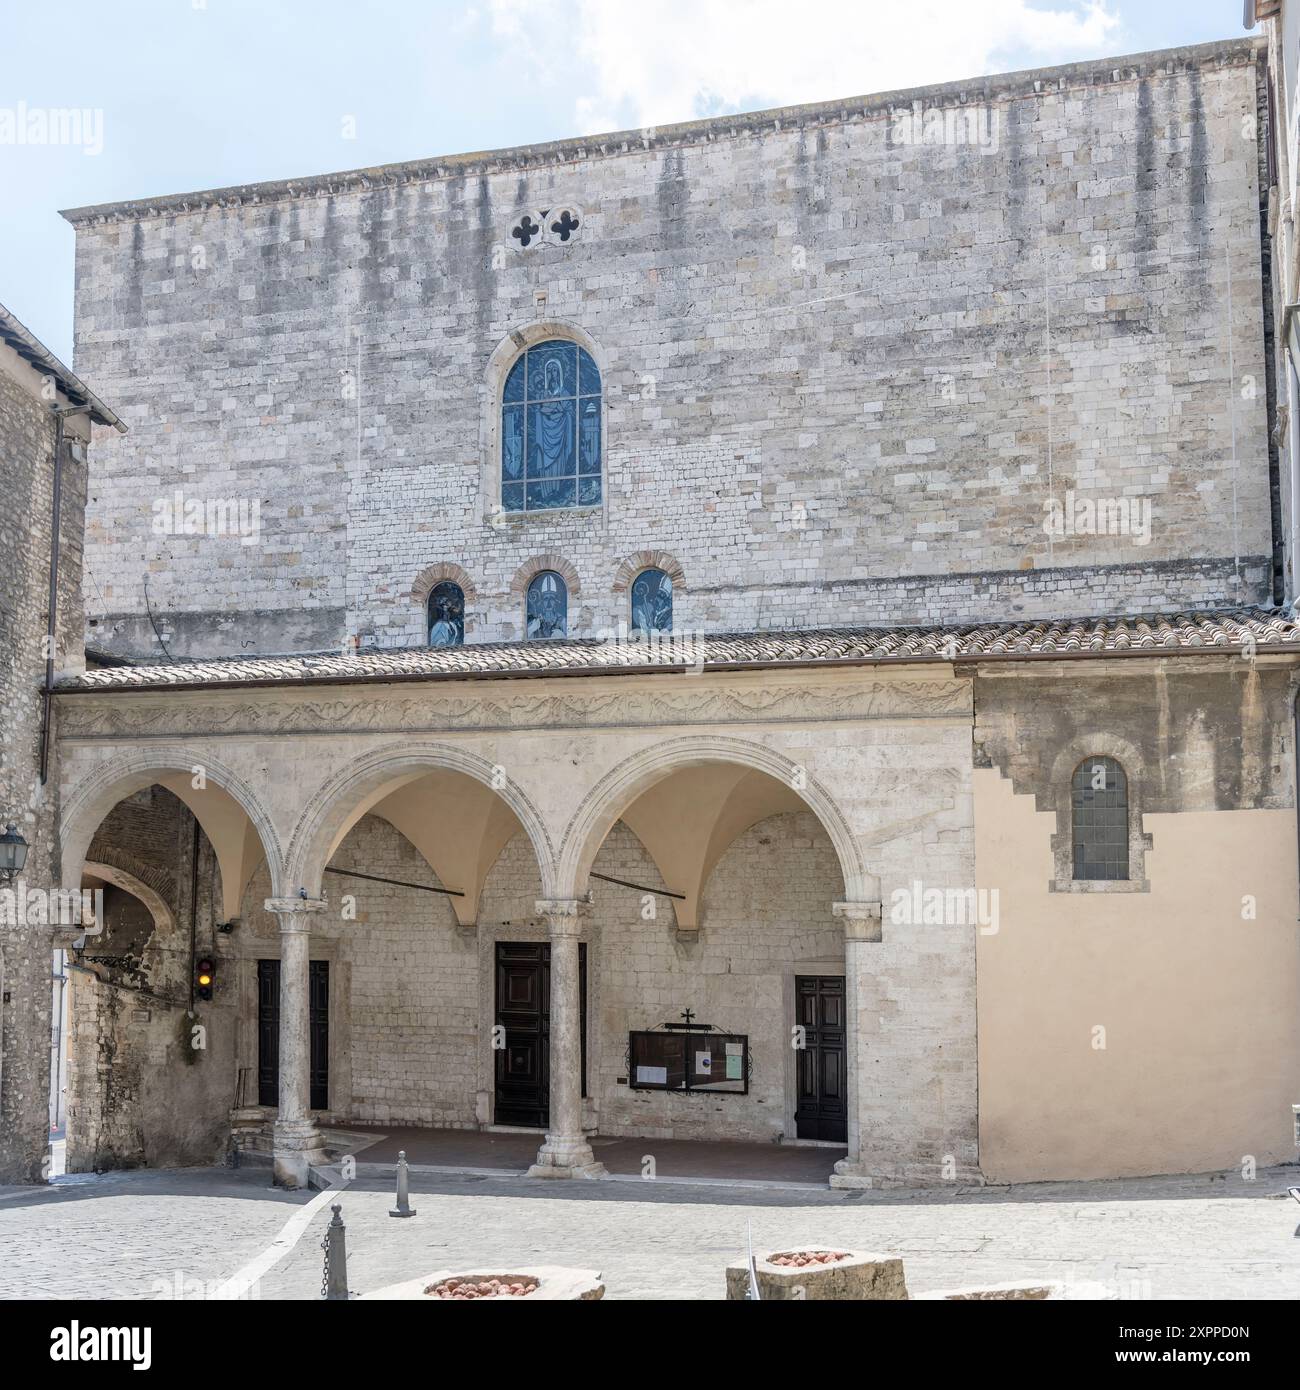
1099, 819
547, 606
446, 612
550, 429
652, 602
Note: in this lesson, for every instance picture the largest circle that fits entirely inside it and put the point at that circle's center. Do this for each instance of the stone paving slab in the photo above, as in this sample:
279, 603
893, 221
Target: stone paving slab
482, 1149
1150, 1239
136, 1234
116, 1236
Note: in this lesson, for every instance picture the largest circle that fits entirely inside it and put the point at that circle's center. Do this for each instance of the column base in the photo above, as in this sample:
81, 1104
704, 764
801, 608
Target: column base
566, 1156
298, 1144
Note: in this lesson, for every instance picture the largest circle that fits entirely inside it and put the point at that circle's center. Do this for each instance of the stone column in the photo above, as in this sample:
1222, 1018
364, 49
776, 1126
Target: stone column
298, 1143
862, 930
566, 1153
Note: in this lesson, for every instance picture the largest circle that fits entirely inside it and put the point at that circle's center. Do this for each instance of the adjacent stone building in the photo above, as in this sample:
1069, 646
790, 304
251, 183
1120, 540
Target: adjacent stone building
815, 570
45, 423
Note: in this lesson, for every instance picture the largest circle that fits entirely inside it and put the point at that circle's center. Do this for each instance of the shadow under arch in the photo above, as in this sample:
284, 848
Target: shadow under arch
163, 921
232, 817
605, 804
341, 801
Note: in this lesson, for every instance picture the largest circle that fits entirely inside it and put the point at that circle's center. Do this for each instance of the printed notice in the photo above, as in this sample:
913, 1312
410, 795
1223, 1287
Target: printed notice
652, 1076
703, 1064
733, 1067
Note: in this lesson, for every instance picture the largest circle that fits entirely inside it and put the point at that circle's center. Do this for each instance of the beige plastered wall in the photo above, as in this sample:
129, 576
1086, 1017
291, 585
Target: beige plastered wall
1200, 1006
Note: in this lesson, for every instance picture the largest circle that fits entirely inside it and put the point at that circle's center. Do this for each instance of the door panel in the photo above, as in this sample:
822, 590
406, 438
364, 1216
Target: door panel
268, 1033
523, 1009
822, 1107
320, 1035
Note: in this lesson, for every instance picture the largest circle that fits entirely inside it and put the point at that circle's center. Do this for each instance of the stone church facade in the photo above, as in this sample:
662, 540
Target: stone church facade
818, 570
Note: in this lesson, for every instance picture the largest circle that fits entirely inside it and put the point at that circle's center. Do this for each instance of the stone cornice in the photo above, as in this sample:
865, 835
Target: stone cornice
1034, 82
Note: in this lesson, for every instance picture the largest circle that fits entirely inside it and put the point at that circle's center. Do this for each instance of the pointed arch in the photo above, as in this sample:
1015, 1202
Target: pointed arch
340, 802
620, 788
237, 825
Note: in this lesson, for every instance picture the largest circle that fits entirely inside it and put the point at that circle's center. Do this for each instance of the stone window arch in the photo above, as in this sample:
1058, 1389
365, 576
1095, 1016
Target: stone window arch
424, 587
668, 580
1074, 760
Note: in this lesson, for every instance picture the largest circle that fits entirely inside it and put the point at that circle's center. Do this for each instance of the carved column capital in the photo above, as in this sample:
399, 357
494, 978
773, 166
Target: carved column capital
564, 916
862, 920
295, 914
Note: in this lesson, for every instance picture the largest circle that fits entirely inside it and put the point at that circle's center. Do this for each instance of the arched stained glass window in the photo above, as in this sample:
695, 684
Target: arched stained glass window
1099, 819
446, 615
550, 430
548, 606
652, 602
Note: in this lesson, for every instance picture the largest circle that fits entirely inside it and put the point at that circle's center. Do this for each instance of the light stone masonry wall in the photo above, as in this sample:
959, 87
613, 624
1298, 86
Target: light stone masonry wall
767, 917
845, 369
410, 994
27, 438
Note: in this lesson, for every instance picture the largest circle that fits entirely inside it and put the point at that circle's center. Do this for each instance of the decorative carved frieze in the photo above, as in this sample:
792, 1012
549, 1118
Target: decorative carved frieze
670, 703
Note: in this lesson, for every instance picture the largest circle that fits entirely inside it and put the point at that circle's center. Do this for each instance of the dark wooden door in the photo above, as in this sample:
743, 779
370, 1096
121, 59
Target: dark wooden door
822, 1109
319, 1023
268, 1033
523, 1009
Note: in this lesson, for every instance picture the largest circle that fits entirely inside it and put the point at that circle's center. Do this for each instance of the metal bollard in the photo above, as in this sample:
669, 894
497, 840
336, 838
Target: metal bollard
334, 1284
403, 1207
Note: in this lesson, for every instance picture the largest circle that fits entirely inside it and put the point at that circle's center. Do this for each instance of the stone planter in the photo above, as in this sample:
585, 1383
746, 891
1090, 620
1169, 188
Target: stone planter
553, 1283
858, 1276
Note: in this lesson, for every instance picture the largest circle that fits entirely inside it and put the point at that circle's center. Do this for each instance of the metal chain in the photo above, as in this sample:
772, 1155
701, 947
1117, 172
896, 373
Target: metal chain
325, 1279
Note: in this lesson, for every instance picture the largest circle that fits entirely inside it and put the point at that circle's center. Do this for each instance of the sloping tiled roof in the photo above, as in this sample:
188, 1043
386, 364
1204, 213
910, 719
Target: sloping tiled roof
30, 348
1229, 632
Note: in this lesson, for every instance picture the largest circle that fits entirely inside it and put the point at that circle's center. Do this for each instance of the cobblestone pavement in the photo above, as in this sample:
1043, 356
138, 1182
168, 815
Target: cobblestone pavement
123, 1235
1160, 1238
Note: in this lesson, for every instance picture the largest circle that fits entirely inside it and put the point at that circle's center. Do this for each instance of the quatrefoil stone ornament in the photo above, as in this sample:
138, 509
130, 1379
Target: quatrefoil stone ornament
564, 223
526, 230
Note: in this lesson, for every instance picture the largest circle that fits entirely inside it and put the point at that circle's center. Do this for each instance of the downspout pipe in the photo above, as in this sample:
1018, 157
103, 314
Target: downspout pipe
194, 905
56, 535
1295, 794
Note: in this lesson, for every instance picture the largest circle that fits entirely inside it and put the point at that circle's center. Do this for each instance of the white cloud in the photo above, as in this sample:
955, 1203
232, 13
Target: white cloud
632, 65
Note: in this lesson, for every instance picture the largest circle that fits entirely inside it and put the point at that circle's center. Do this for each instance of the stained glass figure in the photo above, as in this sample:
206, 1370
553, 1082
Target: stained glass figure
446, 615
550, 430
652, 602
548, 606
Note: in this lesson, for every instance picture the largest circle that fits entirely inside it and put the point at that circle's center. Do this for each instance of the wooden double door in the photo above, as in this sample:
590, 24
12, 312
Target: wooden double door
822, 1110
523, 1012
268, 1033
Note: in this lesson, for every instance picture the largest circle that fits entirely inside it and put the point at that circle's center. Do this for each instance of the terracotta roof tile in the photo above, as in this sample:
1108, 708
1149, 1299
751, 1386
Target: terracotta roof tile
1228, 631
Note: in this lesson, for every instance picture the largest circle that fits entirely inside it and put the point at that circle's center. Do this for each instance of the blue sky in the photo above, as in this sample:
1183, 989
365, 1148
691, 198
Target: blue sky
193, 94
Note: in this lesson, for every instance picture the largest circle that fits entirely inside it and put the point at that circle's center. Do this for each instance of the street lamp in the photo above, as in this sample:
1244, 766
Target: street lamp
13, 854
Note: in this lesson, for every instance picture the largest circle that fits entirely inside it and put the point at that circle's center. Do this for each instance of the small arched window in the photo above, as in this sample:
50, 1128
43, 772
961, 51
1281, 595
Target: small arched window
446, 615
550, 430
1099, 819
652, 602
547, 606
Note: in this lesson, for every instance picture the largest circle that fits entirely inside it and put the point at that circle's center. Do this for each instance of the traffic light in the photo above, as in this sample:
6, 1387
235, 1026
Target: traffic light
205, 975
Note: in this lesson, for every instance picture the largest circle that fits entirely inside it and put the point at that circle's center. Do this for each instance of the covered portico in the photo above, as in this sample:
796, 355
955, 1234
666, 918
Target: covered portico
762, 813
